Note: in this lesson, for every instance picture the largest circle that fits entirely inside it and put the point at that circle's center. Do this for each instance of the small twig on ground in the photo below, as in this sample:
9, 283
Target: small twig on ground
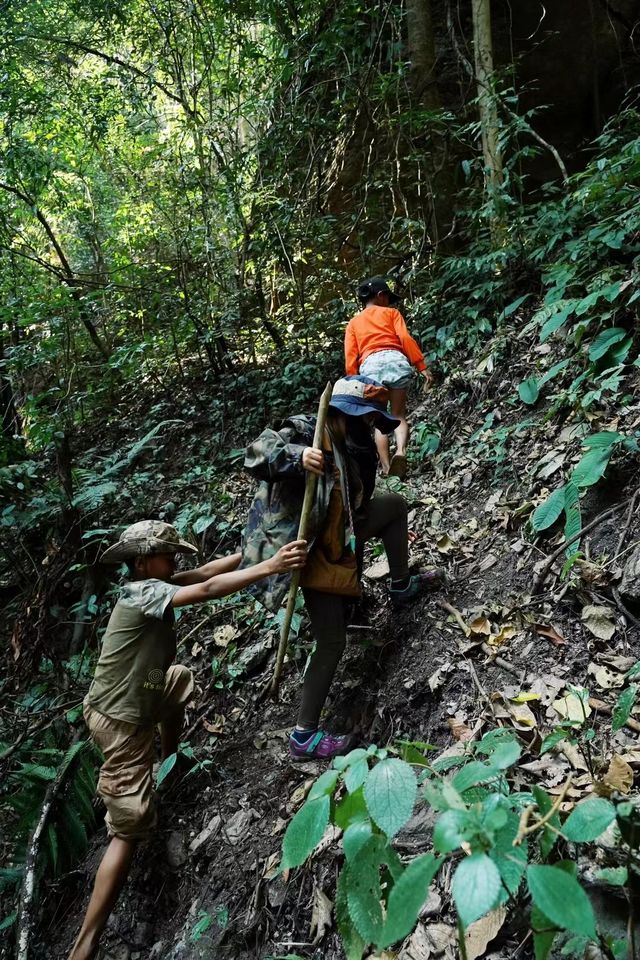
525, 829
501, 662
541, 575
457, 616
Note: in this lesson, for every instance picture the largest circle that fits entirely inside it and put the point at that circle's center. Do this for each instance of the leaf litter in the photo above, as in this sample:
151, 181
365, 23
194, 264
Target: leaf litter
565, 644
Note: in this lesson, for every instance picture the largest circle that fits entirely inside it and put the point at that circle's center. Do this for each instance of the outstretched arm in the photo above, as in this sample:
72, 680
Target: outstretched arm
212, 569
288, 558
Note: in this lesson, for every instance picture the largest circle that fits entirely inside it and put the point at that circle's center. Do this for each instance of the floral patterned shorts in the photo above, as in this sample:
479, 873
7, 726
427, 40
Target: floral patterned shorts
389, 367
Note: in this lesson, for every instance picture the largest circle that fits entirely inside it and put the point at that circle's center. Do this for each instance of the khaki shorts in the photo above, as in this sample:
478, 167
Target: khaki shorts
125, 782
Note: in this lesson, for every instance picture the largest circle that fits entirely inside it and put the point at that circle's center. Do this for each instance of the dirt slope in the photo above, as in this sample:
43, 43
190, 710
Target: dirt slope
415, 676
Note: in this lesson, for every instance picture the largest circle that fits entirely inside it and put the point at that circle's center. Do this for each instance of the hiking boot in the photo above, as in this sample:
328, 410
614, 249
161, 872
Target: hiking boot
320, 746
417, 584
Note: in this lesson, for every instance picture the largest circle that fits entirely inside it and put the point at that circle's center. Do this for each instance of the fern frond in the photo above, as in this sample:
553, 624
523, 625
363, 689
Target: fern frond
10, 877
52, 846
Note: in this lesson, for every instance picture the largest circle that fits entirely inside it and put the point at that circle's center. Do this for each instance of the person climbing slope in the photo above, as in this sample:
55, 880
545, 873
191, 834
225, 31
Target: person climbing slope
137, 685
344, 516
377, 344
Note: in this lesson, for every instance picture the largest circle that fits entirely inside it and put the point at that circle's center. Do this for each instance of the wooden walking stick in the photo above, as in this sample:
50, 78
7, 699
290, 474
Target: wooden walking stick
307, 504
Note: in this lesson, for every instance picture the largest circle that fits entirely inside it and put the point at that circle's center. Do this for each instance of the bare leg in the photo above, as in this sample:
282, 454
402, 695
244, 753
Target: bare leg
170, 730
110, 880
382, 446
399, 410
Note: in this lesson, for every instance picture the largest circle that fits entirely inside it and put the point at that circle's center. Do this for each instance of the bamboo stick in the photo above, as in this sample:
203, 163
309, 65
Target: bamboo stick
307, 504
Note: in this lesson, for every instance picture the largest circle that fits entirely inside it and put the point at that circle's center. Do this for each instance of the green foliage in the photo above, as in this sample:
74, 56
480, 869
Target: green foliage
72, 816
587, 472
623, 707
378, 897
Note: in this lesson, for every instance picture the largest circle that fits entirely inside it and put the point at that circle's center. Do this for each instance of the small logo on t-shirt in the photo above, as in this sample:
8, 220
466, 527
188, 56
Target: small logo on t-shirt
155, 680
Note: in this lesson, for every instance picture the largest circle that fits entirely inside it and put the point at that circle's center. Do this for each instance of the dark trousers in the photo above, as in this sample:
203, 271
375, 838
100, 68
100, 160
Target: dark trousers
385, 517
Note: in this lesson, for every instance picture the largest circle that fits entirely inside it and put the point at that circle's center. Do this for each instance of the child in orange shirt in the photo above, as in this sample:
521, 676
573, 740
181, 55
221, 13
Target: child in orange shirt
377, 344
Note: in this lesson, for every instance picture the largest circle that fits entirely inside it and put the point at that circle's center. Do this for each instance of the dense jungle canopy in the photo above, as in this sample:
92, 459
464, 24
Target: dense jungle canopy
190, 191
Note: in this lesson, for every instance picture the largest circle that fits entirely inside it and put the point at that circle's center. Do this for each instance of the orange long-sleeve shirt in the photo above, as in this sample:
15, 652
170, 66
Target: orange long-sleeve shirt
379, 328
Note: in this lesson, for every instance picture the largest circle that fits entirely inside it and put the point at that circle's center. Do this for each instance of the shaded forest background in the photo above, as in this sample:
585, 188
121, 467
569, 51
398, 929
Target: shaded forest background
190, 191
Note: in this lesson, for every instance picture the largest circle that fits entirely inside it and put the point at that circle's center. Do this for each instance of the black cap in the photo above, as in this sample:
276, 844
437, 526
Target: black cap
374, 286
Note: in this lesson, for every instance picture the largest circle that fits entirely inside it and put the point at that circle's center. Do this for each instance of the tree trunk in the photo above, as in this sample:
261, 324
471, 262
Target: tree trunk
483, 55
422, 53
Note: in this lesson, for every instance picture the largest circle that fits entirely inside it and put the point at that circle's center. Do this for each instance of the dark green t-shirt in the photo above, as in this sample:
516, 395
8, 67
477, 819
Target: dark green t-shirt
138, 647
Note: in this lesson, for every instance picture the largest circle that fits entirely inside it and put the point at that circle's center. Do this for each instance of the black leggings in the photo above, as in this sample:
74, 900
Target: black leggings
385, 517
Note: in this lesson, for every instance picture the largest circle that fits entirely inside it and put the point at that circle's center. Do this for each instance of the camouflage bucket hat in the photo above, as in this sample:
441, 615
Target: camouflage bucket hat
144, 539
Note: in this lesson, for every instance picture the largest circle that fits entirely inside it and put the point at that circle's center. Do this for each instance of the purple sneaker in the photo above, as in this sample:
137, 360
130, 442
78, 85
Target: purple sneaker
320, 746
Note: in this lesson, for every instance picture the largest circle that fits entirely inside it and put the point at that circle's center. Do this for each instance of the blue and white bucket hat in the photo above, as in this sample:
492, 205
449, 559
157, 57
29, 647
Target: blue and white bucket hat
357, 396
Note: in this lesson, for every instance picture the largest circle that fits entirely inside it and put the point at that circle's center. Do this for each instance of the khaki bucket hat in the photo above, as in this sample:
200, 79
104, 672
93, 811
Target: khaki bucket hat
146, 538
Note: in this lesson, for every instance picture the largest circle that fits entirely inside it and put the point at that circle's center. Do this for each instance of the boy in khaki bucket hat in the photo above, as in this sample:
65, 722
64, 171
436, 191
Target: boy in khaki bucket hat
137, 685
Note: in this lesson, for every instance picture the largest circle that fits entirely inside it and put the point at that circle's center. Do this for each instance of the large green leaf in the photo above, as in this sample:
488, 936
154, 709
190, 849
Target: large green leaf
390, 793
324, 784
560, 312
561, 898
548, 835
474, 773
362, 880
543, 936
351, 809
547, 512
476, 887
511, 861
407, 898
448, 833
588, 819
604, 341
528, 391
573, 517
305, 831
605, 438
592, 466
622, 709
355, 837
352, 942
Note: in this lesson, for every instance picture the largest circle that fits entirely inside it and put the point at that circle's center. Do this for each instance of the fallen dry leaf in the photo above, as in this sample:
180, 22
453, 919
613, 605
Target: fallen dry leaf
507, 630
482, 932
445, 544
618, 777
438, 677
459, 729
487, 562
590, 572
521, 715
378, 570
222, 636
525, 697
216, 725
605, 678
320, 915
480, 626
599, 621
549, 631
571, 707
547, 688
